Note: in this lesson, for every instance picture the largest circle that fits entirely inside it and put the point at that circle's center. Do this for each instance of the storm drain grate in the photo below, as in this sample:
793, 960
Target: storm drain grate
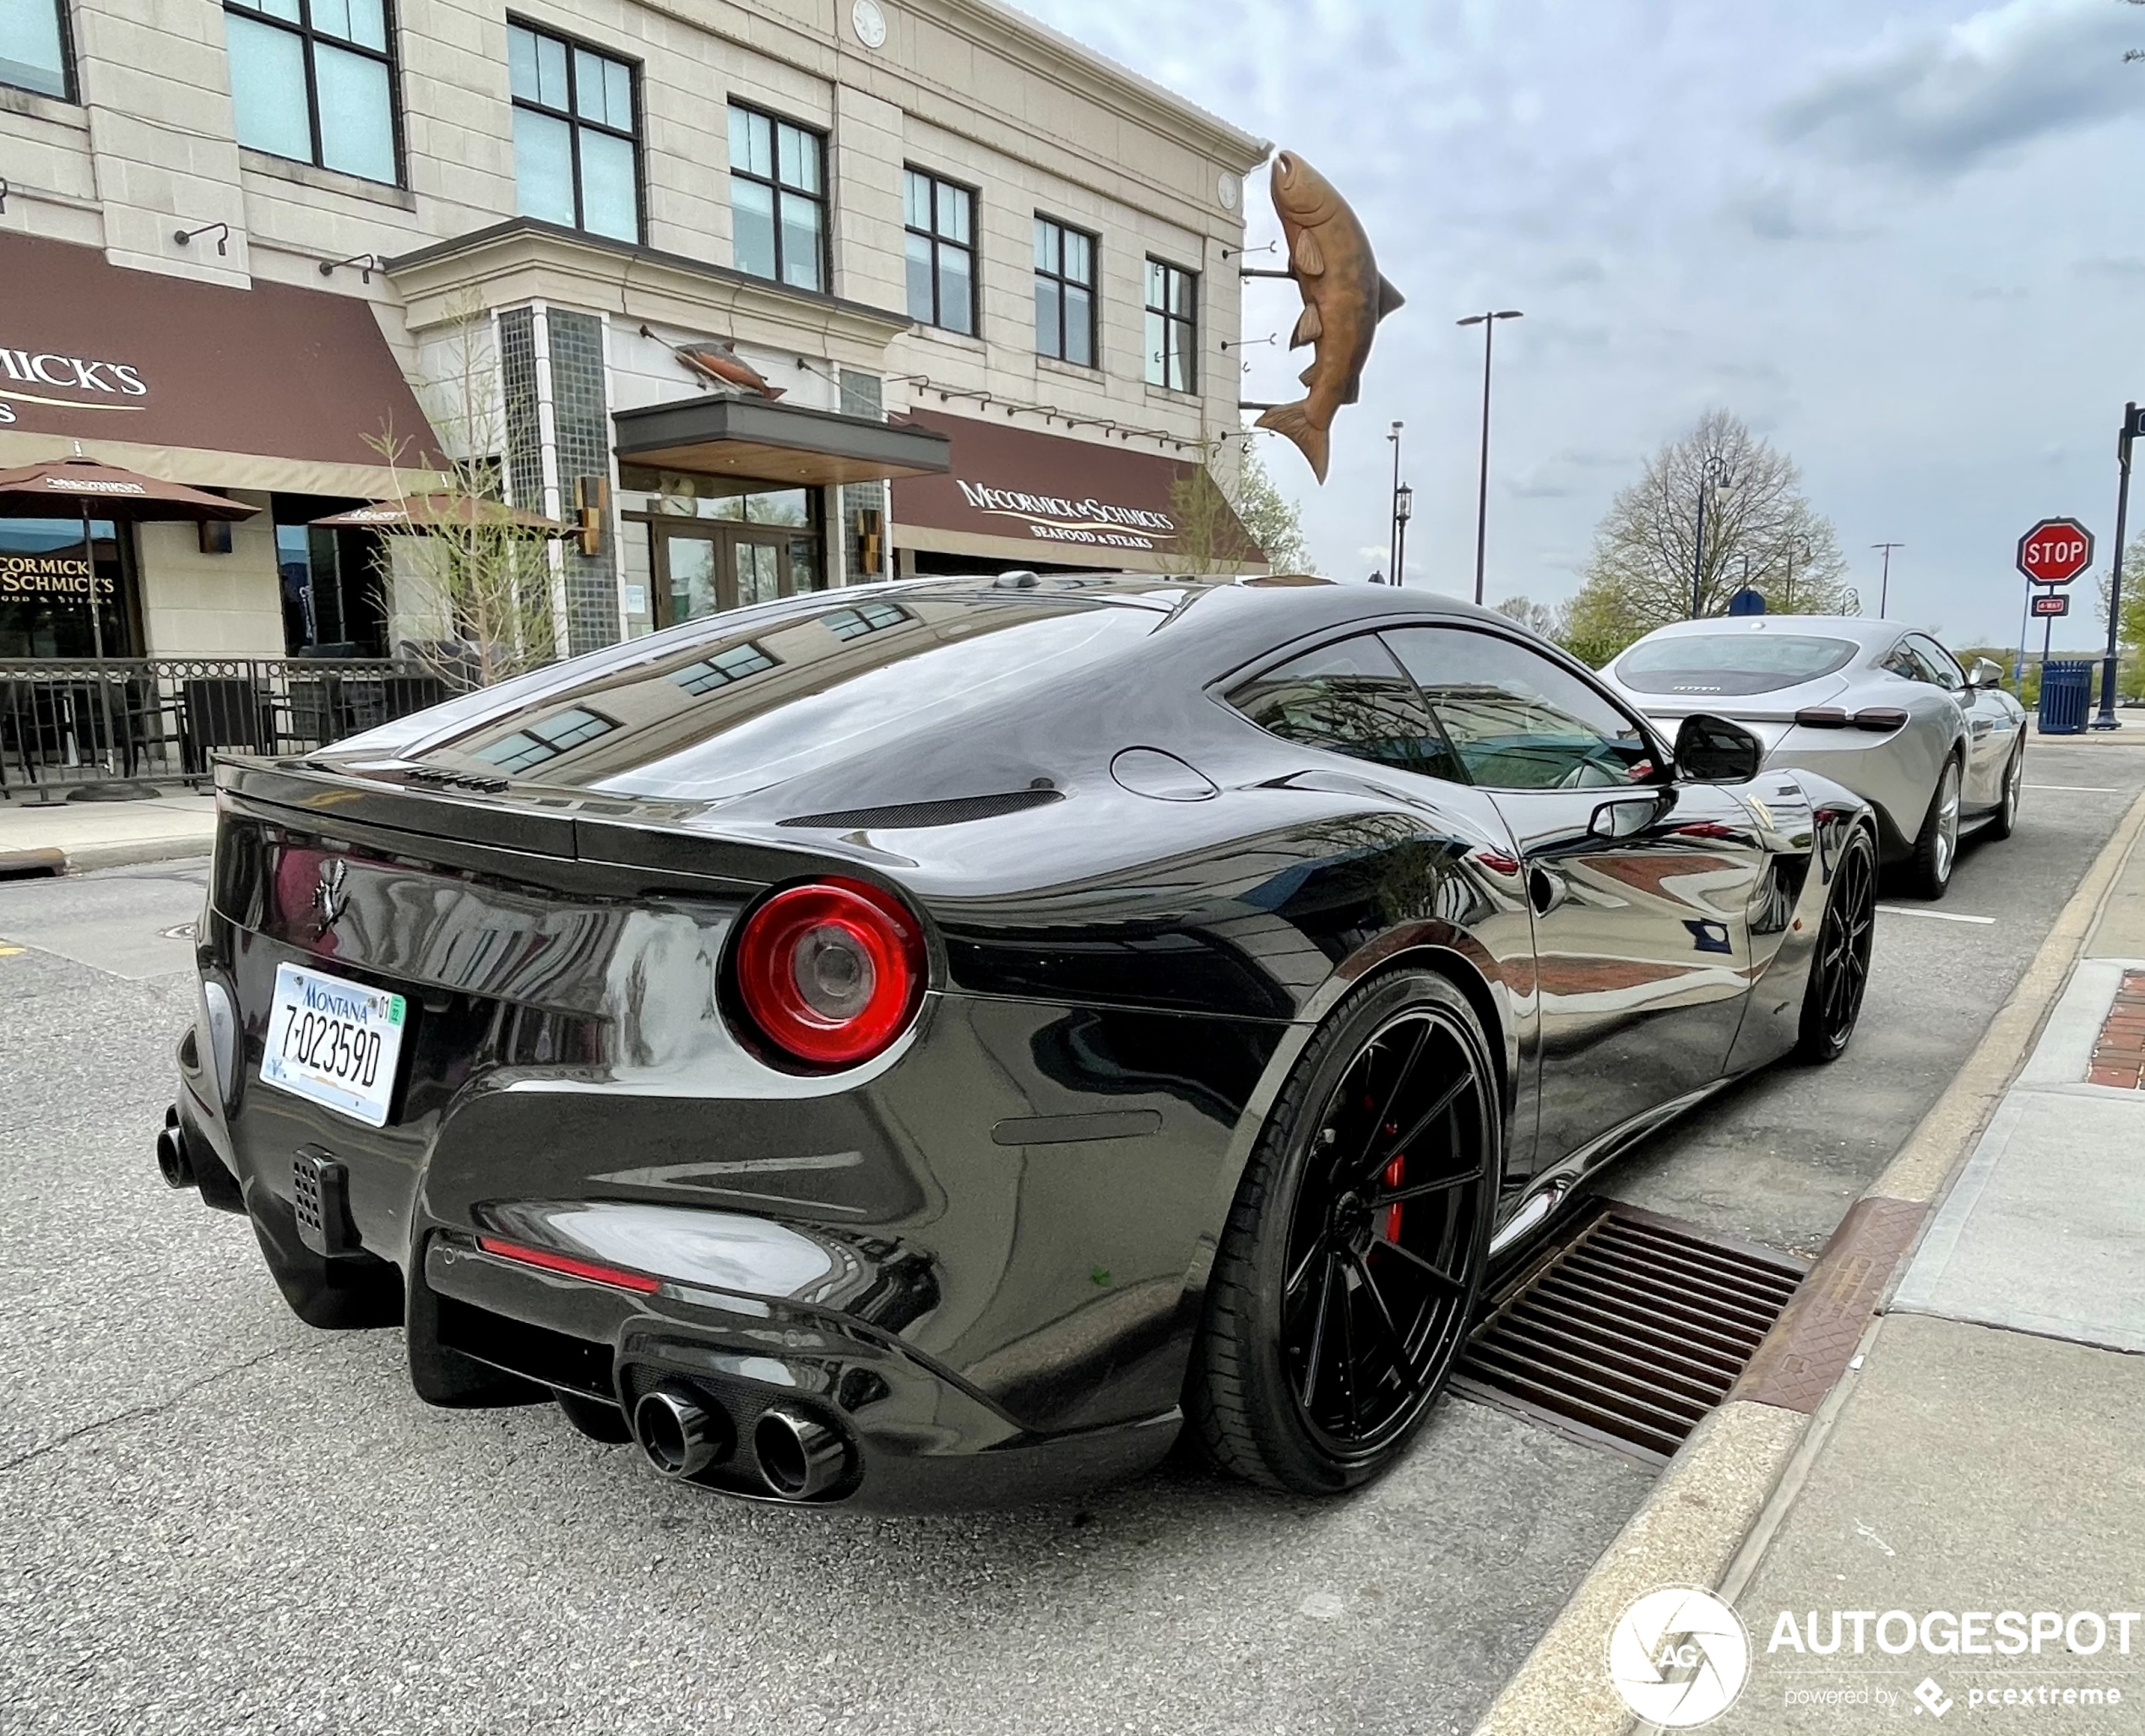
1628, 1332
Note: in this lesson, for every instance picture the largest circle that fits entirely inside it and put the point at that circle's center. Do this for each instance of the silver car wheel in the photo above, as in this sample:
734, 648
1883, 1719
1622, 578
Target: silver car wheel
1948, 820
2014, 784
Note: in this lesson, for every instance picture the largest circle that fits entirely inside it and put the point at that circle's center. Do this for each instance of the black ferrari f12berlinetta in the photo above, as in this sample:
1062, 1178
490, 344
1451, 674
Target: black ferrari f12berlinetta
931, 1043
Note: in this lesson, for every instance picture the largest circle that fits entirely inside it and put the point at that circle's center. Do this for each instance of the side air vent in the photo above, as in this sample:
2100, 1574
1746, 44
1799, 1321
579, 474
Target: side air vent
952, 811
431, 776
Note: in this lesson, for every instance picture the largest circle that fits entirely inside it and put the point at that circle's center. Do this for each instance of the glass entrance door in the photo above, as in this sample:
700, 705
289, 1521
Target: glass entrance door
704, 567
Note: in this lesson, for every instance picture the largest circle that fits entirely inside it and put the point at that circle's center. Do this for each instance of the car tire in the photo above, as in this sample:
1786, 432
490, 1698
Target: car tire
1937, 845
1352, 1260
2005, 820
1839, 969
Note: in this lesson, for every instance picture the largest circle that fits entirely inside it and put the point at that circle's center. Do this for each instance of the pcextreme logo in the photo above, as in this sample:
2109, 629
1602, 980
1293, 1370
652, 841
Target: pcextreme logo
1679, 1656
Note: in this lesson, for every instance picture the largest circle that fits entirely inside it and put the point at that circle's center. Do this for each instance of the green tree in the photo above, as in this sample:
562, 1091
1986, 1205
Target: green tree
2130, 627
1760, 530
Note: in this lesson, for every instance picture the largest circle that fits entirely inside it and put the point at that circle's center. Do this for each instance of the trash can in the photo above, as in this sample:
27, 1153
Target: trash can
2066, 696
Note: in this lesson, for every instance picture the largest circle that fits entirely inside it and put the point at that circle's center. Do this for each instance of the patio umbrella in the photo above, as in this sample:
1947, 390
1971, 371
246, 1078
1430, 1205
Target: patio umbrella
427, 511
57, 487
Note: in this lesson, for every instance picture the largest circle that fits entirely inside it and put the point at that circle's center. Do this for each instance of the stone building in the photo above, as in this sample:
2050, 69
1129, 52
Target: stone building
796, 293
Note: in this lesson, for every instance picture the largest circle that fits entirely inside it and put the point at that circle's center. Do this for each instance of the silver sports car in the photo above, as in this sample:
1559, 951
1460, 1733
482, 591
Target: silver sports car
1881, 709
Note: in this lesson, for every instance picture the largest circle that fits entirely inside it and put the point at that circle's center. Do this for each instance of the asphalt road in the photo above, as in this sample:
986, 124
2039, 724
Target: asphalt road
212, 1518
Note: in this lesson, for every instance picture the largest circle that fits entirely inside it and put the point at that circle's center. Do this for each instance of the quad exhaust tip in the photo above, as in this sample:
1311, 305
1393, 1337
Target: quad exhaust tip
173, 1161
681, 1436
798, 1459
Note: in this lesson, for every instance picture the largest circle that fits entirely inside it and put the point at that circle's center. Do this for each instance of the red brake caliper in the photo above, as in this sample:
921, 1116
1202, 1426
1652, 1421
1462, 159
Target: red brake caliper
1391, 1174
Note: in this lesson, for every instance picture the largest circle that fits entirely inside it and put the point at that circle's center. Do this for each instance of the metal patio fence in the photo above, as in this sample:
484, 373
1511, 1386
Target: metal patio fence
166, 718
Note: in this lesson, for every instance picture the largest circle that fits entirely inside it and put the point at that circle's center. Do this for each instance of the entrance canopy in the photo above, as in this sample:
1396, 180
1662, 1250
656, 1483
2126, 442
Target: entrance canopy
749, 437
268, 387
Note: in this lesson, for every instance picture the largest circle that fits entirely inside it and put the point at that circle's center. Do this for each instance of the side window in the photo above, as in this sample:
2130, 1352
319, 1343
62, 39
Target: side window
1351, 698
1903, 663
1517, 720
1943, 669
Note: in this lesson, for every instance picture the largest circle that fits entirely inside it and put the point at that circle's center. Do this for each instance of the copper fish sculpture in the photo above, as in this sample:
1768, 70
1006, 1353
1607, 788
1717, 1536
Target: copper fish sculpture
1344, 300
718, 361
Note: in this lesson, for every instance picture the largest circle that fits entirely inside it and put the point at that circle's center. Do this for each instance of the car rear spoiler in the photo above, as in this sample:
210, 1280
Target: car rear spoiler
480, 827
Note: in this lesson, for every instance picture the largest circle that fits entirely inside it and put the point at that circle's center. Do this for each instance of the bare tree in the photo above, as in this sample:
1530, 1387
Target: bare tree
1209, 504
1538, 618
469, 584
1760, 530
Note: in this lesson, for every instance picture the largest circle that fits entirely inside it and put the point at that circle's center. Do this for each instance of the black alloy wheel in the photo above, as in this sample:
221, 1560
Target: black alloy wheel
1839, 972
1349, 1271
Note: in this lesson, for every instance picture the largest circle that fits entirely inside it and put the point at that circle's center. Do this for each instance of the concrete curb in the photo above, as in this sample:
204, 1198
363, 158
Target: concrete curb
133, 852
1730, 1482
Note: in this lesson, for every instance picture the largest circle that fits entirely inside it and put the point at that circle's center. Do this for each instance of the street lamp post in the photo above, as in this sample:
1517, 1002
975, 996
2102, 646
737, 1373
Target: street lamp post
1393, 530
1884, 593
1717, 476
1404, 509
1488, 322
1793, 543
2107, 719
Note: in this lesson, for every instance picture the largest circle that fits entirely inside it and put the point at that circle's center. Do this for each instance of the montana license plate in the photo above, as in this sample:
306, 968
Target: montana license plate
334, 1042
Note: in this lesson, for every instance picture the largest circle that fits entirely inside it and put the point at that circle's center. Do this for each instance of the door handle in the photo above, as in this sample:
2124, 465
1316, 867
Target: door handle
1544, 891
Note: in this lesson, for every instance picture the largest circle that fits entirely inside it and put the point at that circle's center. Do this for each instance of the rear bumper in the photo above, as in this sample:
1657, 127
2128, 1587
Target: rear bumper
980, 1268
915, 1439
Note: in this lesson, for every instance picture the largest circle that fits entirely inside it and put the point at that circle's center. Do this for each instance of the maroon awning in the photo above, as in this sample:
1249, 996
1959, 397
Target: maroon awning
271, 386
1015, 491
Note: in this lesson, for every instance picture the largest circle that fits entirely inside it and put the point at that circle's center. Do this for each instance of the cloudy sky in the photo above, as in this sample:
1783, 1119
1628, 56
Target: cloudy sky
1905, 241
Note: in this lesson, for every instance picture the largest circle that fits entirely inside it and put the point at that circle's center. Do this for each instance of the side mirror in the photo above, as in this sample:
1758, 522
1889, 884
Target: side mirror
1711, 750
1984, 674
1625, 817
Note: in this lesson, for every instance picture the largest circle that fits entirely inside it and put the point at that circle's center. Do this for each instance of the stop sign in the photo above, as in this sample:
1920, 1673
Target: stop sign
2056, 551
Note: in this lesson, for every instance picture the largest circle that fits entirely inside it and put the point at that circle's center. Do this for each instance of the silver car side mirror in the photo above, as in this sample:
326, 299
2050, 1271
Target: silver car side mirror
1625, 817
1984, 673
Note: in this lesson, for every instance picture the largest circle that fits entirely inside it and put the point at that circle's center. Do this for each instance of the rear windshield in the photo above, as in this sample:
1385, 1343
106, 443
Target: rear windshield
757, 696
1731, 662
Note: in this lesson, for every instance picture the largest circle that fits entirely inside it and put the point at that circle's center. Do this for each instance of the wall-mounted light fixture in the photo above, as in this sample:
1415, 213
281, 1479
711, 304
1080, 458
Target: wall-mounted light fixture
367, 263
220, 230
591, 511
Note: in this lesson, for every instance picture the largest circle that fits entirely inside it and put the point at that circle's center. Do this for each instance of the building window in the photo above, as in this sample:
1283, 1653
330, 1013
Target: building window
33, 46
577, 135
546, 739
940, 220
1172, 327
724, 667
314, 80
865, 618
1064, 293
778, 199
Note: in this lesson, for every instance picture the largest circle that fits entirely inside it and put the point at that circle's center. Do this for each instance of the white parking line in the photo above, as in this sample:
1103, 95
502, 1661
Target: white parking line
1936, 915
2080, 788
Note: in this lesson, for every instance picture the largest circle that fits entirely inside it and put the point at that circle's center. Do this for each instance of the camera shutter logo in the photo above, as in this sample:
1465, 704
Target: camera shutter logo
1679, 1656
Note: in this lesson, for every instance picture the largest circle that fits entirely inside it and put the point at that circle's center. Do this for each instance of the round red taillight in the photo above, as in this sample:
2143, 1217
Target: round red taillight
831, 973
